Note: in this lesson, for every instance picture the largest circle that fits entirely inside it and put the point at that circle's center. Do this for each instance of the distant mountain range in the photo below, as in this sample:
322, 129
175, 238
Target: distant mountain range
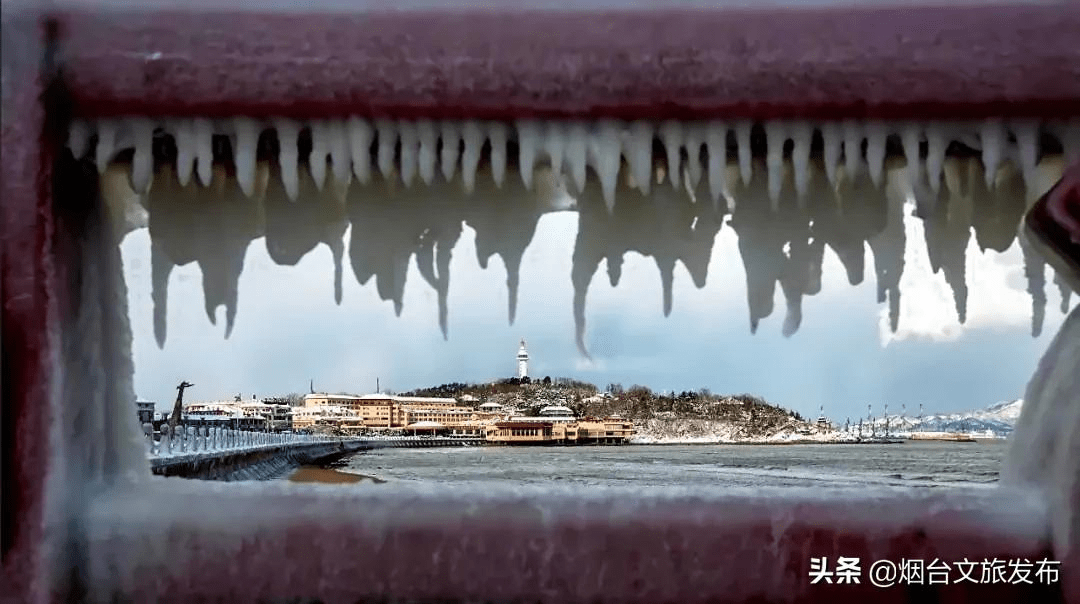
998, 419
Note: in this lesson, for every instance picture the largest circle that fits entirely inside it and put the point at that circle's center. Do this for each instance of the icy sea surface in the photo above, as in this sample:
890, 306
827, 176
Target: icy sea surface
926, 464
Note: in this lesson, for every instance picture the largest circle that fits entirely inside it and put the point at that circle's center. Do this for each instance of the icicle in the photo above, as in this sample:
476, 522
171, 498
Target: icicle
319, 151
530, 138
695, 138
160, 269
640, 158
497, 135
775, 136
106, 146
876, 134
338, 147
852, 147
410, 141
605, 155
388, 137
1035, 272
801, 135
78, 138
450, 134
181, 130
204, 149
470, 160
830, 134
554, 145
361, 135
936, 144
992, 138
428, 140
142, 163
577, 141
1065, 290
910, 135
742, 141
667, 278
246, 140
1027, 142
288, 133
673, 138
716, 145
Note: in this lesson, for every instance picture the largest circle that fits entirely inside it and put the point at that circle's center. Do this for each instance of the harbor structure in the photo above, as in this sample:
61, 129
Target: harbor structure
555, 430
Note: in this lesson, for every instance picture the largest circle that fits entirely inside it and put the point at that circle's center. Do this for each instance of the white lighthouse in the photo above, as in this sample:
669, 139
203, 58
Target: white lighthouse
523, 360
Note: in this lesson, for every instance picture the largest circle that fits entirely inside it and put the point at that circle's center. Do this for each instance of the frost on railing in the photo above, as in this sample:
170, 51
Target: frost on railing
189, 440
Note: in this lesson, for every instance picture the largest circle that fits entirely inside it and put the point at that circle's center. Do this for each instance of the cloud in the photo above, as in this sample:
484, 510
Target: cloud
998, 298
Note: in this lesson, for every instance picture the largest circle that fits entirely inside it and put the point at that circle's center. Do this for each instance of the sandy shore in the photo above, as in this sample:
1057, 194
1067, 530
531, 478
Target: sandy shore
327, 475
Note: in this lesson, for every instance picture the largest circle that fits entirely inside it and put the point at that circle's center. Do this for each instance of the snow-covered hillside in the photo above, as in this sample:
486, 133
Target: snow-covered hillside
996, 420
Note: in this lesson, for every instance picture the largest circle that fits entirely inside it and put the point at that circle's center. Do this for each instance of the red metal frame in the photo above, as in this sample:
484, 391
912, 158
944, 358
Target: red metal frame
835, 63
911, 64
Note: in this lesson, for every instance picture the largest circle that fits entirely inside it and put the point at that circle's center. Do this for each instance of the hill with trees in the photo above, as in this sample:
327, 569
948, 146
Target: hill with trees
688, 415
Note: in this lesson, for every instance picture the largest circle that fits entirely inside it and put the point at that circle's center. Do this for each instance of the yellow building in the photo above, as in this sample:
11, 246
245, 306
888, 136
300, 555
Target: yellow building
386, 411
545, 430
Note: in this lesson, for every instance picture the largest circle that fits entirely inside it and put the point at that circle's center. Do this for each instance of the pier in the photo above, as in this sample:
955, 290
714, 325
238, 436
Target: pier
215, 453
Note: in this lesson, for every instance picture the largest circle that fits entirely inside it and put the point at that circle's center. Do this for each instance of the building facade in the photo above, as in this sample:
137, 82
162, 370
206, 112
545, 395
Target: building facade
388, 411
145, 410
555, 431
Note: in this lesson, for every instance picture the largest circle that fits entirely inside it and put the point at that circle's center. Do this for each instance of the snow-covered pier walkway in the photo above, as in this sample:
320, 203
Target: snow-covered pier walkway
224, 454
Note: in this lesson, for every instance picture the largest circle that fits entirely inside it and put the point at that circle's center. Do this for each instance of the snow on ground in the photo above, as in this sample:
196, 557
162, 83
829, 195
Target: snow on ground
995, 421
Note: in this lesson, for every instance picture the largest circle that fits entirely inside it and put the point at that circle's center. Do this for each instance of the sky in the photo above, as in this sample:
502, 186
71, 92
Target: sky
289, 330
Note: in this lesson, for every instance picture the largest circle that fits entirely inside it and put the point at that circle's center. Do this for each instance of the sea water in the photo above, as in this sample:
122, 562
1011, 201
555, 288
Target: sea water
911, 464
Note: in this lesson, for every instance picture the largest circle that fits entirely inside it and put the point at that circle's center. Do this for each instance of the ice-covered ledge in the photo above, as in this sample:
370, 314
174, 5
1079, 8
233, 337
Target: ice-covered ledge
1044, 455
279, 541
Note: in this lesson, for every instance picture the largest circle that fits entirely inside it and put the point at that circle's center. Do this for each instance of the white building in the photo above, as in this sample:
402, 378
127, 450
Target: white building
523, 360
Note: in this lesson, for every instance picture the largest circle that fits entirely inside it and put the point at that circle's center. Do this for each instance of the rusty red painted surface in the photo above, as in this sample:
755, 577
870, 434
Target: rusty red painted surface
27, 287
826, 63
924, 63
1055, 219
688, 553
